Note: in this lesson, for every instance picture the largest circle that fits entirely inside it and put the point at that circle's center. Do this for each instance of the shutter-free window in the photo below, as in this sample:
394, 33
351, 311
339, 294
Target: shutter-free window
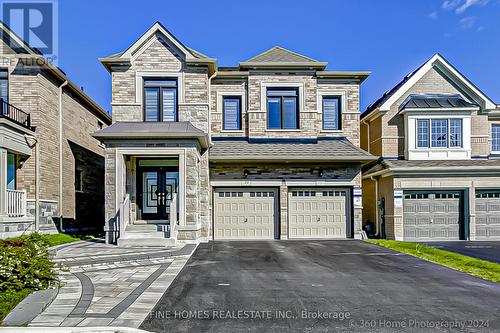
331, 113
282, 108
11, 171
151, 98
4, 85
160, 99
423, 133
495, 137
455, 132
439, 133
232, 113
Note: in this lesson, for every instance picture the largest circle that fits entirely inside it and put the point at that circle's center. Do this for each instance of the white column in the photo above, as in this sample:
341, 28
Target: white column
3, 182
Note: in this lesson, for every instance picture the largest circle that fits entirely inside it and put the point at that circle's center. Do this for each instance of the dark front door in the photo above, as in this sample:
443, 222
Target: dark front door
156, 187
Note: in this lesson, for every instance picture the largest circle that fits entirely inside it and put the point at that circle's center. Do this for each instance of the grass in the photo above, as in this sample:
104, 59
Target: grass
9, 299
58, 239
476, 267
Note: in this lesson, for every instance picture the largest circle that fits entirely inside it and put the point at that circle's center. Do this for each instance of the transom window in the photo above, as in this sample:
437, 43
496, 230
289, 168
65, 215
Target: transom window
232, 113
439, 133
282, 108
331, 112
495, 138
160, 100
4, 85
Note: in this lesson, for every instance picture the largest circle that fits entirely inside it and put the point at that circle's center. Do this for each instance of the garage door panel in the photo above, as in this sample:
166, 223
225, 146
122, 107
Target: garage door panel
488, 214
244, 213
431, 216
317, 213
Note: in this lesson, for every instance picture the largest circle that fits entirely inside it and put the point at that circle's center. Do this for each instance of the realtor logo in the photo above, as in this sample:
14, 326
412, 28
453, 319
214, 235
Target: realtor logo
35, 22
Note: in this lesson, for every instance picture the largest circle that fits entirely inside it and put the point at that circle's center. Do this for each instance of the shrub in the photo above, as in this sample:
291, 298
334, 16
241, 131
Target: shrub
25, 264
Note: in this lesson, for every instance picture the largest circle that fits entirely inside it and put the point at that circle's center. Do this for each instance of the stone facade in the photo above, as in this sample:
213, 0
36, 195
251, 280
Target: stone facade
200, 94
35, 90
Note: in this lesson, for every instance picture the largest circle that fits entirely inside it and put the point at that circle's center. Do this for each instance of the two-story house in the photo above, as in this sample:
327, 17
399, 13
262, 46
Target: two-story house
268, 149
51, 168
438, 178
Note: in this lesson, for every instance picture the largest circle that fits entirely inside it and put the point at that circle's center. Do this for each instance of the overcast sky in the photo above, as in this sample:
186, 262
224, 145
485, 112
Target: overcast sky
387, 37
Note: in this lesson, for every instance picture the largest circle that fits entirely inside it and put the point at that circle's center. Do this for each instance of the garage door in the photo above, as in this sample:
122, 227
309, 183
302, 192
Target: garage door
244, 213
431, 216
488, 215
317, 213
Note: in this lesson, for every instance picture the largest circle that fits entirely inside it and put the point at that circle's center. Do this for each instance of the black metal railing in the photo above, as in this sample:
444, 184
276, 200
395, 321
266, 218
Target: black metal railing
19, 116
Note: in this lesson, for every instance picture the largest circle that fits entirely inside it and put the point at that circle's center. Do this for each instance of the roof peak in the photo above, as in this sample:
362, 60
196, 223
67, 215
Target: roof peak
280, 55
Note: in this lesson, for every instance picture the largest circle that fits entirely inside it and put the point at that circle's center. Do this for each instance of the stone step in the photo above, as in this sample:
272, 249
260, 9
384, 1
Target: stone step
137, 222
133, 242
146, 227
144, 234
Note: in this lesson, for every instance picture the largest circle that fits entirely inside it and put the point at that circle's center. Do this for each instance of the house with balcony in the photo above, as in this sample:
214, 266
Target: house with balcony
438, 176
266, 149
51, 168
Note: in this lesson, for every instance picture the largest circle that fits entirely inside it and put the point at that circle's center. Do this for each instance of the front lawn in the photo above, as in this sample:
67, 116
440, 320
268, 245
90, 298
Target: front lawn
480, 268
58, 239
24, 268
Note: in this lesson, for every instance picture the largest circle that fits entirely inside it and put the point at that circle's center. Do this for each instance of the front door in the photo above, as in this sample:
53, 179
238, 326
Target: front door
156, 189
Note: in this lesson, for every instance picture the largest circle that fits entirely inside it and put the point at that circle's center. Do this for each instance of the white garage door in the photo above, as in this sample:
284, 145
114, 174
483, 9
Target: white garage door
317, 213
244, 213
431, 216
488, 215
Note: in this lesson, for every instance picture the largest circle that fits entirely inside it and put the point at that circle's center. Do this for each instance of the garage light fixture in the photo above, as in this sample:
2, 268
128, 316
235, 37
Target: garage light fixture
320, 173
245, 173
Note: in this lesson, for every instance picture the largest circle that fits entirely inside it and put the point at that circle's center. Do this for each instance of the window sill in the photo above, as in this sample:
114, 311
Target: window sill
233, 131
331, 131
282, 130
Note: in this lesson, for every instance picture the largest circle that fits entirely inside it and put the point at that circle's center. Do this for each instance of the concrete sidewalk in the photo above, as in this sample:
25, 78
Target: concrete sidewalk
104, 285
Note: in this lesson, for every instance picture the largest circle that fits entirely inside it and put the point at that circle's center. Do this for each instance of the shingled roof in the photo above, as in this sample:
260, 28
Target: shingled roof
323, 149
279, 56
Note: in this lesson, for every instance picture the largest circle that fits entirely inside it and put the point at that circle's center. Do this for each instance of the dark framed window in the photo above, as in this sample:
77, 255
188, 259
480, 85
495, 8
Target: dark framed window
423, 133
160, 100
4, 85
231, 111
439, 133
282, 108
495, 137
332, 106
78, 180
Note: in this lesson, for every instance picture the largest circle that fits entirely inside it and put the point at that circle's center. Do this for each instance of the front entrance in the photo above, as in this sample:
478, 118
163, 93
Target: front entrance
157, 182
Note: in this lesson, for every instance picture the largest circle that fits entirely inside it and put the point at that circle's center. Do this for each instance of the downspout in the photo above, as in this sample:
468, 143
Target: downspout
209, 106
60, 203
377, 222
37, 178
368, 139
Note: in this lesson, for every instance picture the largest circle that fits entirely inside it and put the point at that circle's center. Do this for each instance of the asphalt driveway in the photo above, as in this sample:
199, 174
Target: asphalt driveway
481, 250
321, 286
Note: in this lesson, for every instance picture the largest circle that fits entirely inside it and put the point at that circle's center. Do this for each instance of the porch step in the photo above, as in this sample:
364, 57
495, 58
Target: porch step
146, 227
150, 222
148, 234
133, 242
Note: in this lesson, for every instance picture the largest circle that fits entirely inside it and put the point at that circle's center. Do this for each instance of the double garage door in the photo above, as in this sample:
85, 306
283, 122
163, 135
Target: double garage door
252, 213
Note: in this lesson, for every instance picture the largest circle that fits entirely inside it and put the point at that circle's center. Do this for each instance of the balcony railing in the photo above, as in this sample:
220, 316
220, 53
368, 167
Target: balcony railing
10, 111
15, 203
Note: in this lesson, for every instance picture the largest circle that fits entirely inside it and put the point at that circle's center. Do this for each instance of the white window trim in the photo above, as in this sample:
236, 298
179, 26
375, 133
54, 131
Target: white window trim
430, 133
139, 83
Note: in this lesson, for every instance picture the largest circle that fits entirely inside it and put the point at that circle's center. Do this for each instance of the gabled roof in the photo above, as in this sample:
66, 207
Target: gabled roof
437, 61
282, 150
157, 29
436, 101
280, 57
25, 51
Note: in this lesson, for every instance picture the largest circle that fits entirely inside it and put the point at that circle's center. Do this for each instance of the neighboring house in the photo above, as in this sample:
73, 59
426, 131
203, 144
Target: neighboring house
265, 150
67, 176
438, 178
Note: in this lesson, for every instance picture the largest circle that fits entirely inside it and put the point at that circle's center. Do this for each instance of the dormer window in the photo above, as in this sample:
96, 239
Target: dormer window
160, 100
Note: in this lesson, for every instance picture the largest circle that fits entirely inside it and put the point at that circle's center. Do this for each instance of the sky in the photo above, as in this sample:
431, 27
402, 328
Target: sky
390, 38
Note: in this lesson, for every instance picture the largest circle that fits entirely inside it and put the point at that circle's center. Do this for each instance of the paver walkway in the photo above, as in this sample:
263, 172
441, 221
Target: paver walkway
105, 285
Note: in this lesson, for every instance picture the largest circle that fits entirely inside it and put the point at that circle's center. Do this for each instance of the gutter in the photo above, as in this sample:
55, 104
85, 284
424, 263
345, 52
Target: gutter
60, 203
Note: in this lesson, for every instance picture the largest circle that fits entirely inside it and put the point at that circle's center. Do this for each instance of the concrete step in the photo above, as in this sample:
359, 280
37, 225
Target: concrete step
137, 222
133, 242
144, 234
146, 227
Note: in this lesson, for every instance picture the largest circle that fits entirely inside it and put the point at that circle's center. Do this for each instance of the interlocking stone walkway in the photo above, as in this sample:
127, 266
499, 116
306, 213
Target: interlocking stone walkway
104, 285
